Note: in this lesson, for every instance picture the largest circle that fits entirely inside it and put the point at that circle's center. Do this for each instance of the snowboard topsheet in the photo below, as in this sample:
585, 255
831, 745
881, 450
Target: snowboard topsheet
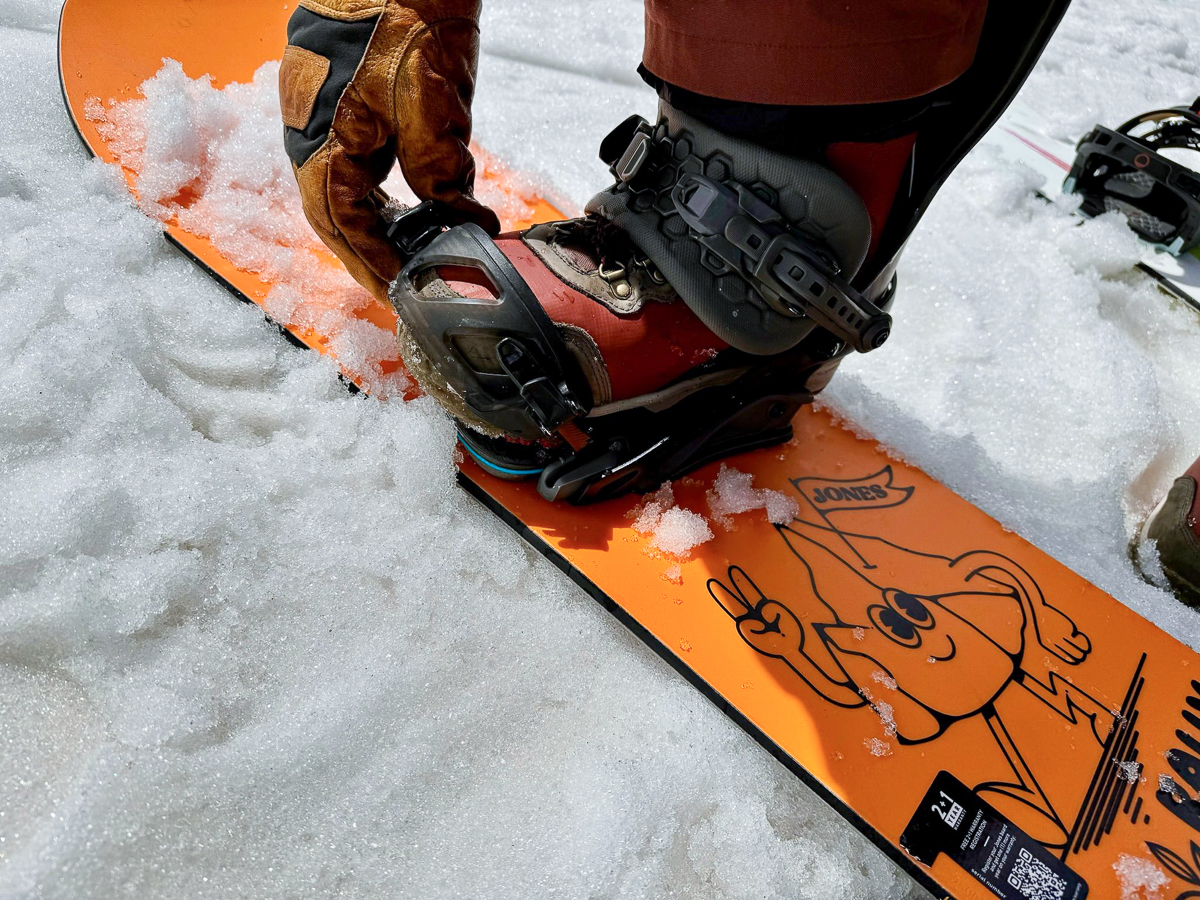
996, 724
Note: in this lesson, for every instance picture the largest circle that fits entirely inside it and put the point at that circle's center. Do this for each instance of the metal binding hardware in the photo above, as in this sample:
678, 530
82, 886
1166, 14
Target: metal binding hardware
549, 403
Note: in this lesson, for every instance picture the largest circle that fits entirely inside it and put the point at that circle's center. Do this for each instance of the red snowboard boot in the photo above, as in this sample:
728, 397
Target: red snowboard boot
704, 298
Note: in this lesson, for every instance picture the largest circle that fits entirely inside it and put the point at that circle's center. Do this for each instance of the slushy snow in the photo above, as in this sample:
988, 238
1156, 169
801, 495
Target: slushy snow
672, 529
734, 492
677, 531
1131, 771
255, 642
1140, 878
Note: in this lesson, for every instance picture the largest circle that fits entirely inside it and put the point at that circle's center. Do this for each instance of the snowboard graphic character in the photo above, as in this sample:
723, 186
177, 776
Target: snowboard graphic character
846, 629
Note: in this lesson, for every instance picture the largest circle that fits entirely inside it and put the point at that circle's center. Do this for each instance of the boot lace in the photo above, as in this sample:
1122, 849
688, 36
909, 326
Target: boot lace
618, 257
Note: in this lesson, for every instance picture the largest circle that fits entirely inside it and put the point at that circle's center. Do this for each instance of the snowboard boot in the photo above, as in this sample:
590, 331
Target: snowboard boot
700, 302
1174, 530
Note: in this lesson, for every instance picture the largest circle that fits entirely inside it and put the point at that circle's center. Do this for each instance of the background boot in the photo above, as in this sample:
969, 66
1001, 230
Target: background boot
1173, 534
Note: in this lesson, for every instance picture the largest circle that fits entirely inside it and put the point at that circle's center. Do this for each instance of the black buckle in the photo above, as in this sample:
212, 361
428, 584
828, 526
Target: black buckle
627, 148
549, 403
414, 228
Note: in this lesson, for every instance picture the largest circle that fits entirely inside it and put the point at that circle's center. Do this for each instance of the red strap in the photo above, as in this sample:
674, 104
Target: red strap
573, 435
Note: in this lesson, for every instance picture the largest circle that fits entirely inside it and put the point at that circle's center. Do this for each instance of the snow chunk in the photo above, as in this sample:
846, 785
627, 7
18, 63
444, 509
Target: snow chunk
1140, 878
672, 529
885, 711
1130, 771
878, 747
887, 715
679, 531
652, 512
884, 678
1167, 785
733, 492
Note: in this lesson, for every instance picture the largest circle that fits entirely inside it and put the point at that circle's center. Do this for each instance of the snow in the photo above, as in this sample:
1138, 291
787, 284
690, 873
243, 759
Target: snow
1130, 771
885, 710
671, 529
254, 641
877, 747
1167, 784
1139, 878
734, 492
885, 679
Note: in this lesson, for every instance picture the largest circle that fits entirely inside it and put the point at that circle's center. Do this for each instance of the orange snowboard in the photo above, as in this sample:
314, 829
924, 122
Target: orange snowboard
996, 724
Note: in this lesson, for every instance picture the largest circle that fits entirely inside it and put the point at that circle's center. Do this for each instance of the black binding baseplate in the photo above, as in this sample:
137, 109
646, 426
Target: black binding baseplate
1115, 169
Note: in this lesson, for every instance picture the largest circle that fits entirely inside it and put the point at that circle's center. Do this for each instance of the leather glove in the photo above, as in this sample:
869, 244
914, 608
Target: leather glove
364, 83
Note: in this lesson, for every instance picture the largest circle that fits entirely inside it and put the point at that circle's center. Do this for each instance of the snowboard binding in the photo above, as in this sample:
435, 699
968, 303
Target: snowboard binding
1124, 171
767, 270
507, 362
667, 191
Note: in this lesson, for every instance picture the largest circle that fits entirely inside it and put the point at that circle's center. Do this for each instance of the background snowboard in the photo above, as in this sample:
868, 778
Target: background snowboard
1025, 136
1012, 705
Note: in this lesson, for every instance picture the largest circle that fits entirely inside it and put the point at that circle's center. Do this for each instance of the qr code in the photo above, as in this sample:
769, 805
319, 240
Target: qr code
1034, 880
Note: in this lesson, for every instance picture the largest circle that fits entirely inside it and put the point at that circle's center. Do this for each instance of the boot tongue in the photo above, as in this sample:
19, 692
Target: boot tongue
598, 260
583, 243
580, 256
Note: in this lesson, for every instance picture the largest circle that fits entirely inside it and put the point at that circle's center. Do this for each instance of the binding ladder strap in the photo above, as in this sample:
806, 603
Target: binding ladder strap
741, 231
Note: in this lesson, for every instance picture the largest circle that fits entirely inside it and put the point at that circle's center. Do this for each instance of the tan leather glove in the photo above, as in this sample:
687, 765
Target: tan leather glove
365, 83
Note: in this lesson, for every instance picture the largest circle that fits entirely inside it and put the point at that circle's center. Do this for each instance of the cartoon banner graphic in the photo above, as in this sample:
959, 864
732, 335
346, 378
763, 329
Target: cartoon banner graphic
830, 495
843, 495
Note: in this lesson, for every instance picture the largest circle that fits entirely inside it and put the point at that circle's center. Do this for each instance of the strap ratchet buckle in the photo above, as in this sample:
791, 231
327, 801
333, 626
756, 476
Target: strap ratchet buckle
550, 404
753, 240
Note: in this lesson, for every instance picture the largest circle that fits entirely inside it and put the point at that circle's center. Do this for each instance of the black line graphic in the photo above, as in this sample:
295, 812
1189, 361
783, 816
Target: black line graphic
1106, 769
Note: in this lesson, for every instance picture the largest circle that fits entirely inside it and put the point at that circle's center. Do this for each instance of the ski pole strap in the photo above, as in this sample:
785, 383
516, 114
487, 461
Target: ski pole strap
742, 233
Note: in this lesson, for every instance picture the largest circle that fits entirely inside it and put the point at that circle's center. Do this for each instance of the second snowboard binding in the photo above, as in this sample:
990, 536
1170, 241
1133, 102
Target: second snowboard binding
1124, 169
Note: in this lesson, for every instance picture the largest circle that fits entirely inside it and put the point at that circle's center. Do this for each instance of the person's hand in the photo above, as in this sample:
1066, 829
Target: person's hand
364, 83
